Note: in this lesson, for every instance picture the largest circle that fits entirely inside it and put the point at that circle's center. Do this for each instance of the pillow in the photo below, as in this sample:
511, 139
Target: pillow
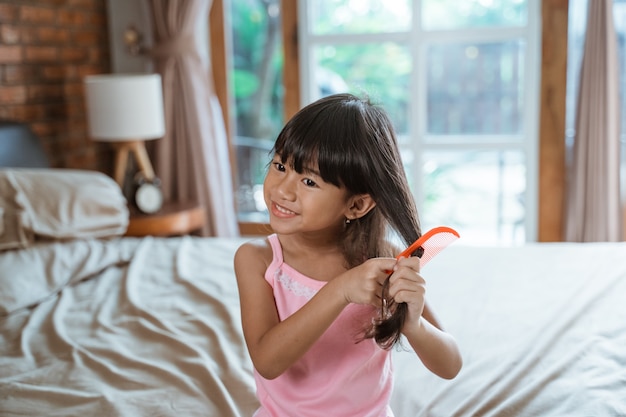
58, 204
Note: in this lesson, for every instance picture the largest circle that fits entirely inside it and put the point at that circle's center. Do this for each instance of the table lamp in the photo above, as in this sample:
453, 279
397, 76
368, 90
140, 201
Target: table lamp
126, 110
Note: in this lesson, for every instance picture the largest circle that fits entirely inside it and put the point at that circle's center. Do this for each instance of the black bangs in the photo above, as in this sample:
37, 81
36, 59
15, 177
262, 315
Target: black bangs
326, 137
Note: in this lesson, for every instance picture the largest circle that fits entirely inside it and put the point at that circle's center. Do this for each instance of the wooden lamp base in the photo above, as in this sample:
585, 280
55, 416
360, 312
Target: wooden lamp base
122, 151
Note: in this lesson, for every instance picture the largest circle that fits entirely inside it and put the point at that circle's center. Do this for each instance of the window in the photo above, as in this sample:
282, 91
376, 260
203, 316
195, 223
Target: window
256, 76
459, 79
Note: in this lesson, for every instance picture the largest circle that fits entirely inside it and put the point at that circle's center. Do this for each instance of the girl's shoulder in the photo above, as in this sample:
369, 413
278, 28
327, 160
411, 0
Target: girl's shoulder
254, 254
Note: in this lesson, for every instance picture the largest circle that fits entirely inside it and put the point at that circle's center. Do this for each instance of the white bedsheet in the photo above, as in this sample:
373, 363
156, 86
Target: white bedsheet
155, 331
542, 330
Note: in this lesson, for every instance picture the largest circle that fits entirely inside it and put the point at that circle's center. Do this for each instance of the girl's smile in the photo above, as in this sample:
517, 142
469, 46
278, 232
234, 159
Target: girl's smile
280, 211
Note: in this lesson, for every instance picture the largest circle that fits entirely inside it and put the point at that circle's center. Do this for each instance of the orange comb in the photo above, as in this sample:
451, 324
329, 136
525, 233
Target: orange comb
426, 248
430, 244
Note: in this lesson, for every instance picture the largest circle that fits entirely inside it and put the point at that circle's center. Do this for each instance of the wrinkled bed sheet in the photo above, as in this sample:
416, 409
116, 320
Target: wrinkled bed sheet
150, 327
155, 333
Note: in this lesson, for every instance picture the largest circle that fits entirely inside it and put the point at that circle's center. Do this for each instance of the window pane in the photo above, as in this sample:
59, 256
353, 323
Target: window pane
479, 193
577, 22
455, 14
358, 16
257, 84
475, 88
359, 69
253, 158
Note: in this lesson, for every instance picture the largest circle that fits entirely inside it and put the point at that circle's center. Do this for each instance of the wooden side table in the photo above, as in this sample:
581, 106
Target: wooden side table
174, 219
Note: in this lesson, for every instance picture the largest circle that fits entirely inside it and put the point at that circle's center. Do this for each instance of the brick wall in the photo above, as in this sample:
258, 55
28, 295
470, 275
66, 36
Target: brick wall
46, 49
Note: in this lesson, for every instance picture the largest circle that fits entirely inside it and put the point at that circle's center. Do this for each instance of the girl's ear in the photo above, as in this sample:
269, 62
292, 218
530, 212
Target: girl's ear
359, 205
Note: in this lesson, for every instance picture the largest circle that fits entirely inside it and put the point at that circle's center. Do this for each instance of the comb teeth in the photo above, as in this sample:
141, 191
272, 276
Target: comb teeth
431, 243
435, 244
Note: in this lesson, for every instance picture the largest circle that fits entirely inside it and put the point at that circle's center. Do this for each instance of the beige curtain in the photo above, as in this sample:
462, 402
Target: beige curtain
192, 159
593, 202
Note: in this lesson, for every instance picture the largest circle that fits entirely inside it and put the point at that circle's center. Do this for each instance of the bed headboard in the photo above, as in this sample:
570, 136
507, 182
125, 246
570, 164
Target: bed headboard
20, 147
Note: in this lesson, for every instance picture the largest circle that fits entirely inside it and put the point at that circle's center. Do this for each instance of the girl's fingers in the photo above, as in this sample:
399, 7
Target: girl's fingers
406, 279
412, 262
407, 274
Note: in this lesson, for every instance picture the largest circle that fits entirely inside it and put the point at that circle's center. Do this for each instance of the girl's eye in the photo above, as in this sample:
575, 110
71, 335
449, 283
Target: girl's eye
309, 182
279, 166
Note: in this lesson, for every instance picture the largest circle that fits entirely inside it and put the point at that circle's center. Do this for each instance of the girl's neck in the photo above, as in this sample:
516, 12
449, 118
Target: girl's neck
319, 258
310, 242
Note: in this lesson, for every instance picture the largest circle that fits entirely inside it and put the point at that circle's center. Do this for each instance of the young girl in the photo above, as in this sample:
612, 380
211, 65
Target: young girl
312, 293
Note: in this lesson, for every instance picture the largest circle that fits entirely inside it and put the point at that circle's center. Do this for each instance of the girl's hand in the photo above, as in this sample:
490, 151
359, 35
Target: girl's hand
363, 284
406, 285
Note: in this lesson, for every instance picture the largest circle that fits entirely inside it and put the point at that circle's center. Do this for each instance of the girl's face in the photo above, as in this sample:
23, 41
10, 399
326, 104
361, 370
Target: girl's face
303, 202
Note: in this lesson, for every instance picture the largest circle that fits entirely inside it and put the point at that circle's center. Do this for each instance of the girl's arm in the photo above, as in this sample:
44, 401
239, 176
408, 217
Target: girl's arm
437, 349
275, 345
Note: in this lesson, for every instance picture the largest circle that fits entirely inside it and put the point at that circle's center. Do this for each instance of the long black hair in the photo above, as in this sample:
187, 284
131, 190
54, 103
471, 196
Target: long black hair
354, 145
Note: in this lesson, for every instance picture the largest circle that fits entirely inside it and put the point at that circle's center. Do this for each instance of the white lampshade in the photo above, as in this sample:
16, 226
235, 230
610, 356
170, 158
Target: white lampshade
122, 107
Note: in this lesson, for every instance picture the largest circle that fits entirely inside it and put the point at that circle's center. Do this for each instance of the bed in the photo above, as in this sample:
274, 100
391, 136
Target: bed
93, 323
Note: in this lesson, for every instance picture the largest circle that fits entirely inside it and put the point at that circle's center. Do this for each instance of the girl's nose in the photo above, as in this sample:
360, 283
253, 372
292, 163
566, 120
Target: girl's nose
286, 188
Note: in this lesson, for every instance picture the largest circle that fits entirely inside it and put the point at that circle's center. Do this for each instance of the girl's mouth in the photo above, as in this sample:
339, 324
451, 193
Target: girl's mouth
281, 211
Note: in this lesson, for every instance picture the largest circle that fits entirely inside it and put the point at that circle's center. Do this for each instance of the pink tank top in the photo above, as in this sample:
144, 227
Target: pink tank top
337, 377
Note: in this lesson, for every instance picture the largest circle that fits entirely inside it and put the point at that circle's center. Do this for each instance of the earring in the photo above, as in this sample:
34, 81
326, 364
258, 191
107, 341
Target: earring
347, 221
